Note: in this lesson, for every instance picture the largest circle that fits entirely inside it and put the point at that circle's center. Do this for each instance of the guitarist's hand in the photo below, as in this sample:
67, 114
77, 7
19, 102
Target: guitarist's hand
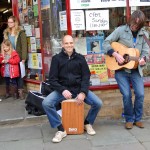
142, 62
118, 57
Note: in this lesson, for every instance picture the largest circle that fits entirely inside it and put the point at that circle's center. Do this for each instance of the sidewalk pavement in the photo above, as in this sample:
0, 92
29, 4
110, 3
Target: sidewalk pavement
20, 131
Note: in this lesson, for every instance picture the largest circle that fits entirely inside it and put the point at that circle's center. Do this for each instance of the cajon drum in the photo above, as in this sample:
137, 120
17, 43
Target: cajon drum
73, 117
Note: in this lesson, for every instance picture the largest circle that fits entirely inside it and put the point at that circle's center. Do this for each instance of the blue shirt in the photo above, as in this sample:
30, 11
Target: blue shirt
12, 40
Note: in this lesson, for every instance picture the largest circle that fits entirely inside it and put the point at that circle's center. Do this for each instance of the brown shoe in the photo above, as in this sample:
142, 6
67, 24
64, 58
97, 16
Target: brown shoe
139, 124
21, 94
129, 125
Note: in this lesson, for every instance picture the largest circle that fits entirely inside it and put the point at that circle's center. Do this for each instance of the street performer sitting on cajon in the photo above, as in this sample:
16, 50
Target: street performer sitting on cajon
69, 76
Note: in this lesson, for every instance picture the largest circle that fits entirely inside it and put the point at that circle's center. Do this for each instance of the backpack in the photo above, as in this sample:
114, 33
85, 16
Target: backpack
46, 88
34, 103
34, 100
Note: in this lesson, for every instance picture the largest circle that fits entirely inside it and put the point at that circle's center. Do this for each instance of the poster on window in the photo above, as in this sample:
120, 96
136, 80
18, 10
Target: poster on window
28, 30
35, 2
95, 58
63, 21
80, 45
77, 20
45, 4
94, 45
34, 61
99, 74
97, 20
24, 4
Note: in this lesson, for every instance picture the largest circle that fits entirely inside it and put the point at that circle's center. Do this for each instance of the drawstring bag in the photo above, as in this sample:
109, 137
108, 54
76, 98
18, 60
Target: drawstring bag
34, 103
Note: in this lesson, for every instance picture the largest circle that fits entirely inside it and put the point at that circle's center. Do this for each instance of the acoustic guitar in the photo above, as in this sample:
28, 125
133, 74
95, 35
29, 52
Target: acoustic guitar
131, 56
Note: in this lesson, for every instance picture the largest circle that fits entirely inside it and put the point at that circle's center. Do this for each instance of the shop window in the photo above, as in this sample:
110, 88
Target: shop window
41, 24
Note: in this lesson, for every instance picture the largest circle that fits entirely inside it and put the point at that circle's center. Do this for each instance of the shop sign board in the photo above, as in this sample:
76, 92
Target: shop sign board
77, 20
97, 20
86, 4
139, 2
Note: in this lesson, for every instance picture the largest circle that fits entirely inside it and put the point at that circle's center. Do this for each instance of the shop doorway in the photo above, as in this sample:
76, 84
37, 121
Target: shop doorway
5, 12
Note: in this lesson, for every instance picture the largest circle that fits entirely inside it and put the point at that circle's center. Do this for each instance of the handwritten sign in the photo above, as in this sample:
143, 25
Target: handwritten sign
97, 20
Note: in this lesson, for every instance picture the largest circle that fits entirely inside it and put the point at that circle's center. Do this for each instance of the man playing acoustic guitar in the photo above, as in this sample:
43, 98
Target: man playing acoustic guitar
131, 36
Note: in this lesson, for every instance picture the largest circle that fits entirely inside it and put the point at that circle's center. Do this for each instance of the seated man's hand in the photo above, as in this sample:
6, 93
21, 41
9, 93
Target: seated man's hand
80, 98
67, 94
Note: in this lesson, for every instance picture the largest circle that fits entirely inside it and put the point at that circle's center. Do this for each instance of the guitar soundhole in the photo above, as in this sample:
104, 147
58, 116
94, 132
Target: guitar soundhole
126, 59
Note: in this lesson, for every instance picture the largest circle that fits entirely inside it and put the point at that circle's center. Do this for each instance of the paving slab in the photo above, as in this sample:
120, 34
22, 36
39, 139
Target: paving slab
12, 110
146, 145
69, 145
142, 134
109, 133
32, 144
20, 133
2, 146
133, 146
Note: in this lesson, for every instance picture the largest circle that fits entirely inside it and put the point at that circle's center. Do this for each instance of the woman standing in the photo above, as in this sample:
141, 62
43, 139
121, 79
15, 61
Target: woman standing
17, 37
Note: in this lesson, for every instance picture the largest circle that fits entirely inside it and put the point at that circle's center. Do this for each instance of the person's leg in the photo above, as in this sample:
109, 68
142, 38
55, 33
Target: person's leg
49, 104
14, 87
20, 83
138, 86
123, 80
95, 102
7, 82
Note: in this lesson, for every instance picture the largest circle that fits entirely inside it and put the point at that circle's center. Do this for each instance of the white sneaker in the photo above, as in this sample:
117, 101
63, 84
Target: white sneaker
89, 129
59, 136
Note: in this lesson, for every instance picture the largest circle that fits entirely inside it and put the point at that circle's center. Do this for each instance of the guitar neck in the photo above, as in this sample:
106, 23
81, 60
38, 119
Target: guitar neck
134, 58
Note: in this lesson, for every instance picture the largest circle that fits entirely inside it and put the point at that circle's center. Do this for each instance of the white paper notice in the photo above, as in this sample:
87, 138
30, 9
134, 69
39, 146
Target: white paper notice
22, 69
97, 20
77, 20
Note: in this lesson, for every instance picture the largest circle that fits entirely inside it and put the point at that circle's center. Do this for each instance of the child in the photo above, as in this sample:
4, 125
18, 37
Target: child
9, 60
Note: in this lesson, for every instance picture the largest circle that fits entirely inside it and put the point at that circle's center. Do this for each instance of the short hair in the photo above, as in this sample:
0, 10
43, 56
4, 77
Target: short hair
138, 18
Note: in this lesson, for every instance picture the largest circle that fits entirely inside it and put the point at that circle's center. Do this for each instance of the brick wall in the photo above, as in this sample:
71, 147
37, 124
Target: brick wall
112, 101
32, 87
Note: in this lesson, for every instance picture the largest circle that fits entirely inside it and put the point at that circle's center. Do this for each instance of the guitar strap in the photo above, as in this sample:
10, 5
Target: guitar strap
134, 42
146, 39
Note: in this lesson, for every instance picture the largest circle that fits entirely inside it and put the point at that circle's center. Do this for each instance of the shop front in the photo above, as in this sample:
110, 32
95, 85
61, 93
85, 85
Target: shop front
89, 22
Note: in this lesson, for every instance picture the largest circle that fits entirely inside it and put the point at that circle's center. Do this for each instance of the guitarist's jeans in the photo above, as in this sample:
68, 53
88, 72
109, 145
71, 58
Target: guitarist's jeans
132, 111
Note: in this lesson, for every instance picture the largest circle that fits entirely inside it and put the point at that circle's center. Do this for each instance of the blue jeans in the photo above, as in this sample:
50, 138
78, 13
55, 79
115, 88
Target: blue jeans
54, 98
132, 111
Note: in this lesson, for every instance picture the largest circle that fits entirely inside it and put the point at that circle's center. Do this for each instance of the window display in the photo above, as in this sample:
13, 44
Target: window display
29, 19
40, 20
45, 28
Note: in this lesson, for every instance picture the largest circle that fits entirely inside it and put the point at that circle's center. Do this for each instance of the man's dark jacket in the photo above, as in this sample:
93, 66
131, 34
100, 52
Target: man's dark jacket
69, 73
